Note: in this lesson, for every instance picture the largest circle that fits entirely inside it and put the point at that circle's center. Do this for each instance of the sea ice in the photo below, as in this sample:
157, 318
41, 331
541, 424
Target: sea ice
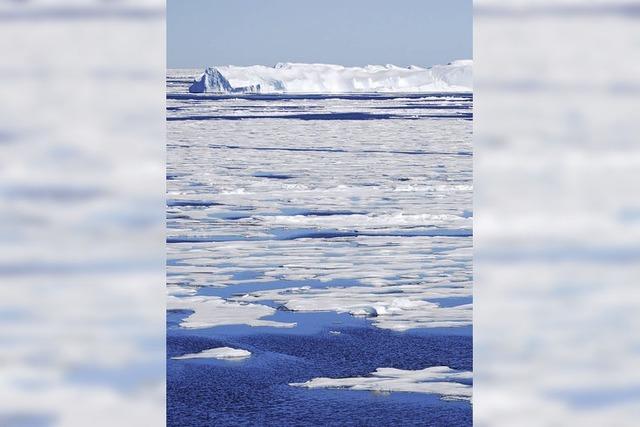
440, 380
177, 291
397, 308
214, 311
381, 207
223, 353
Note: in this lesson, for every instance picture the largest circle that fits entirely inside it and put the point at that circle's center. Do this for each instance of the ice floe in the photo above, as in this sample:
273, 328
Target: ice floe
440, 380
391, 307
178, 291
223, 353
328, 78
214, 311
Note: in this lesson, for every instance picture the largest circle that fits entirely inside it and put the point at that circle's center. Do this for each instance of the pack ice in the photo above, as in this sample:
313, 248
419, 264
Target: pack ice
326, 78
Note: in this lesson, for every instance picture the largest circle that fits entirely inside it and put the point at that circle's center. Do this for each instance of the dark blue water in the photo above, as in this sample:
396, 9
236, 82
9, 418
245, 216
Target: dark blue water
255, 391
324, 116
301, 233
340, 150
298, 96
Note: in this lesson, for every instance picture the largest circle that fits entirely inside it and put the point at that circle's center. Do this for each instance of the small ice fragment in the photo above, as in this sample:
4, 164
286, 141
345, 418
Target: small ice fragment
367, 311
221, 353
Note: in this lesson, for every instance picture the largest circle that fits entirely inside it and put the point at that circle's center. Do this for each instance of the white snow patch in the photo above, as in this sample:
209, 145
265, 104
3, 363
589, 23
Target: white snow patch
440, 380
223, 353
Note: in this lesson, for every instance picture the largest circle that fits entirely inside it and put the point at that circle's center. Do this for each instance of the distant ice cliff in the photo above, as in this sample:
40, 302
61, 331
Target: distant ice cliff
213, 81
325, 78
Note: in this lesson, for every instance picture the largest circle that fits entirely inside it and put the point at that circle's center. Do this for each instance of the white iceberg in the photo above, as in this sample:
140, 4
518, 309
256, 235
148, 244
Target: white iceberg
440, 380
456, 76
213, 81
222, 353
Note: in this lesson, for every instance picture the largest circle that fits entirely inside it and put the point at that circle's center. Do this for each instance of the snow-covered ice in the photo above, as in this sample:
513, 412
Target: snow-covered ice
391, 307
328, 78
381, 204
222, 353
440, 380
214, 311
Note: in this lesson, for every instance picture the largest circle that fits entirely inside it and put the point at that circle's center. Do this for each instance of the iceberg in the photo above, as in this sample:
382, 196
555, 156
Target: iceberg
456, 76
213, 81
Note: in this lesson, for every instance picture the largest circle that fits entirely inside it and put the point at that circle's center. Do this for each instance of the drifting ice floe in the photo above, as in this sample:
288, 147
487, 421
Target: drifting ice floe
327, 78
217, 353
397, 308
440, 380
213, 311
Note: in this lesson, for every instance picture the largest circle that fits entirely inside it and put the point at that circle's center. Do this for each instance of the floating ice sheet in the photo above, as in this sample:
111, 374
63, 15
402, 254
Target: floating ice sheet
440, 380
214, 311
223, 353
392, 307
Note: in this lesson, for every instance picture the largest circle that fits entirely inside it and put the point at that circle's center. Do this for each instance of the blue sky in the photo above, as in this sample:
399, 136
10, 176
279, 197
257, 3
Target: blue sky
347, 32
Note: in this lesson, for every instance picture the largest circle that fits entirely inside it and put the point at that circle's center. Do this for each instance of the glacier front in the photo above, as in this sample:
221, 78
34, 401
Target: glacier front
213, 81
456, 76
